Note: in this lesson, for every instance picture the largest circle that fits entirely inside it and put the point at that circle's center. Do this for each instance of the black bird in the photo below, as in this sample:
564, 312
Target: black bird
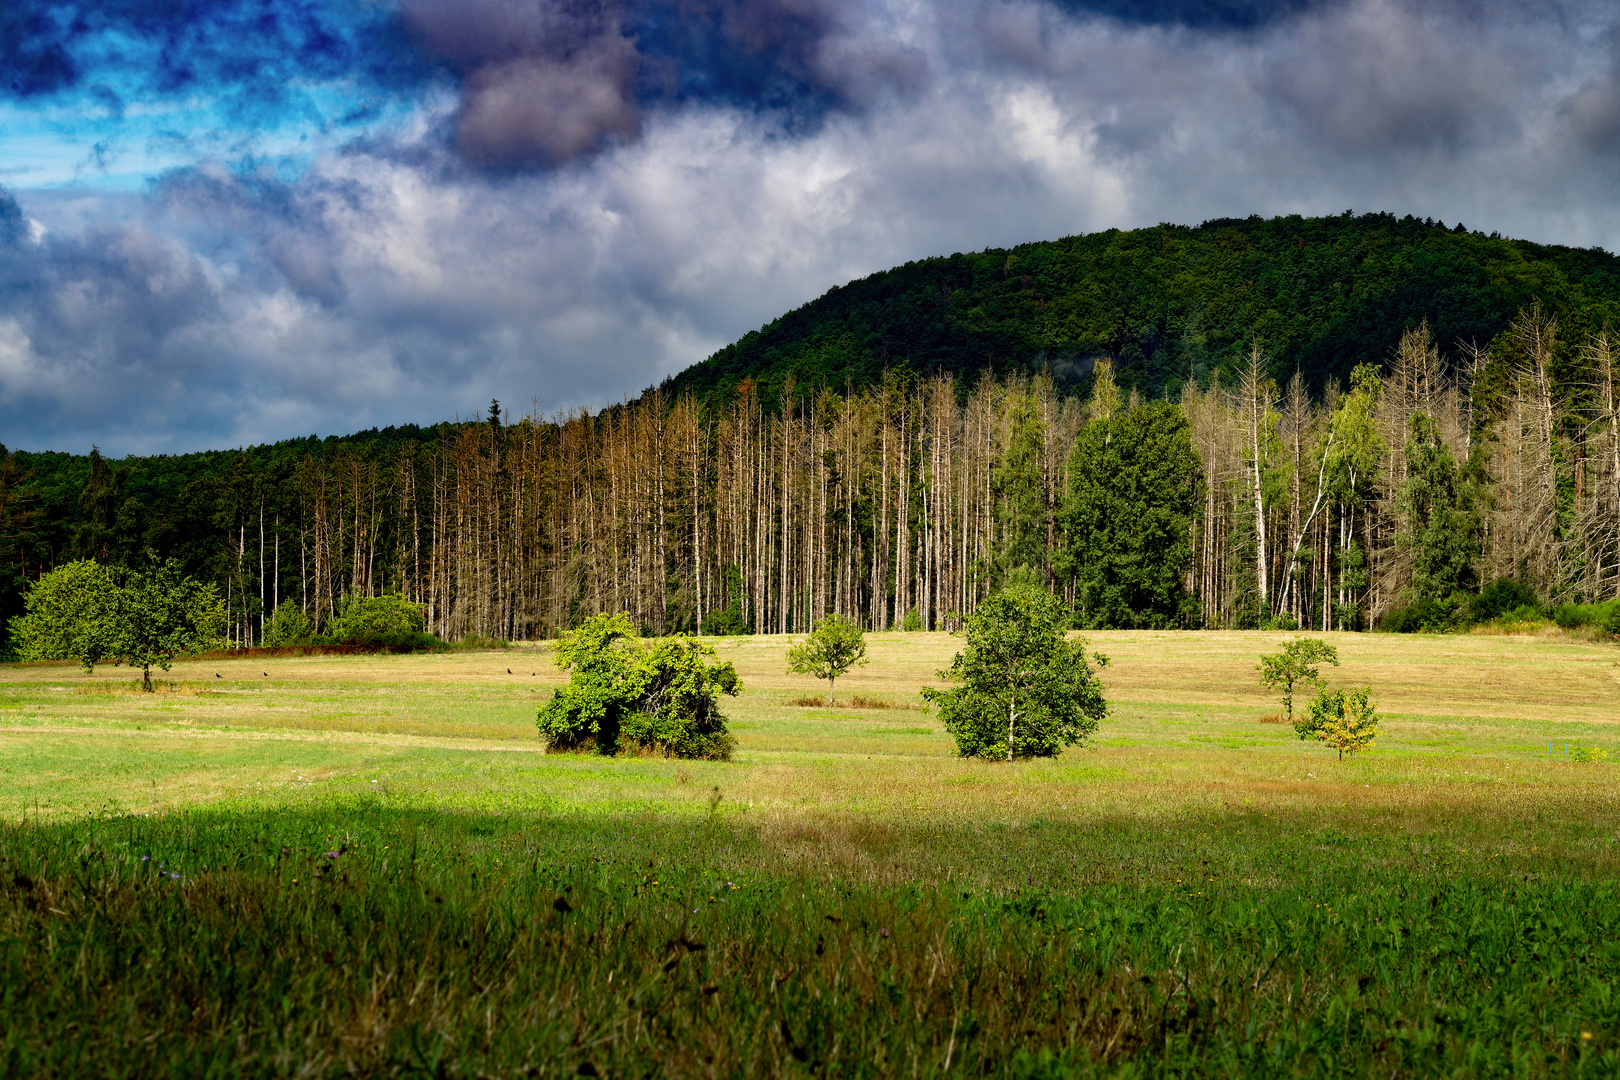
217, 675
267, 674
509, 671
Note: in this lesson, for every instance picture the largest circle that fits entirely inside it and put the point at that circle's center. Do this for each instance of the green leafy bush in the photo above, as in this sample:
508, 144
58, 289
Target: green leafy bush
288, 625
1344, 719
1427, 617
379, 620
1503, 597
1604, 617
660, 696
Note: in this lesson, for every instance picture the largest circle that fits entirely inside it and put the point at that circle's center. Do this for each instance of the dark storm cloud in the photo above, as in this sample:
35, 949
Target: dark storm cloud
539, 82
544, 82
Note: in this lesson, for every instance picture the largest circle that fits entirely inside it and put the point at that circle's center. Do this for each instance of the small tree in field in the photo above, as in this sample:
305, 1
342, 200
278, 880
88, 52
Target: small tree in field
149, 617
1024, 689
1296, 663
662, 696
1344, 719
835, 646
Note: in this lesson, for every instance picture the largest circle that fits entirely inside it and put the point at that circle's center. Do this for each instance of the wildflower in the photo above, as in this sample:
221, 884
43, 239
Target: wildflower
883, 931
1586, 1035
145, 857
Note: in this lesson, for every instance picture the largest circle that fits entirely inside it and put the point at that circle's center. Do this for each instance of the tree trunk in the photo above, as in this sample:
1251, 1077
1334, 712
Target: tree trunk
1012, 716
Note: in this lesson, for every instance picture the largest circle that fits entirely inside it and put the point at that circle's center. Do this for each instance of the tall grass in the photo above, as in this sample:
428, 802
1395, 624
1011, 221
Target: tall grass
357, 938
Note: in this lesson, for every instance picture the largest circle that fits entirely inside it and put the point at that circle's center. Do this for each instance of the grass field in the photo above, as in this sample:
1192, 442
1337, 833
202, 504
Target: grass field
366, 866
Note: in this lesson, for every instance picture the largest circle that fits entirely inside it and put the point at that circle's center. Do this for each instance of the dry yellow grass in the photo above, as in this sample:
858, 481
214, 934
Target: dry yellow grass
1467, 730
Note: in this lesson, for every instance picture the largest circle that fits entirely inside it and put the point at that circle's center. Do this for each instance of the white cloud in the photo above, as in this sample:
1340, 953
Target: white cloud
391, 286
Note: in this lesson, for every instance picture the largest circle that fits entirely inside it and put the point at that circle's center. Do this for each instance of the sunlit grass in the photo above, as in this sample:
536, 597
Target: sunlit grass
1197, 888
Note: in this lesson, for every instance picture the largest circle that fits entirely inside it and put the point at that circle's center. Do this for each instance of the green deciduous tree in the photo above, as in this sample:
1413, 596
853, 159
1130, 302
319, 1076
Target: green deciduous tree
58, 611
1133, 489
1023, 689
1344, 719
835, 646
661, 696
1298, 662
148, 617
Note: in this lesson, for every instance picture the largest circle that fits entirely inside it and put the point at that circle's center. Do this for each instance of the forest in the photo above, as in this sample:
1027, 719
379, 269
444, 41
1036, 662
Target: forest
1244, 497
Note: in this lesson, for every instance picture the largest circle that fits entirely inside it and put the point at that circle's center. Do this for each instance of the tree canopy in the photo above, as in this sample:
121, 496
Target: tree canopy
1022, 688
1133, 484
833, 647
622, 693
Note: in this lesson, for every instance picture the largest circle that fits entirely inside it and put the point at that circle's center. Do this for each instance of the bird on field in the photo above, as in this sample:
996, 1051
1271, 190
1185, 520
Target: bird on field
217, 675
267, 674
509, 671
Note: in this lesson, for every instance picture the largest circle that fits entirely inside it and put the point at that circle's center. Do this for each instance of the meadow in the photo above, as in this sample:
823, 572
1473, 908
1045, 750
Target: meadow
367, 866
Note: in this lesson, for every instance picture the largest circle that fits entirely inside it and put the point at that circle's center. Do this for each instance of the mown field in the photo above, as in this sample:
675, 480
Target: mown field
365, 866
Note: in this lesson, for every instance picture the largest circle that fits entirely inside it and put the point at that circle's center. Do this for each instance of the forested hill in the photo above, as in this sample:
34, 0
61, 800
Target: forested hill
1319, 295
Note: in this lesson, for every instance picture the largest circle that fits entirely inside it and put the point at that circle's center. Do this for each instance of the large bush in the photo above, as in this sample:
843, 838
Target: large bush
1504, 596
377, 620
58, 609
288, 625
661, 696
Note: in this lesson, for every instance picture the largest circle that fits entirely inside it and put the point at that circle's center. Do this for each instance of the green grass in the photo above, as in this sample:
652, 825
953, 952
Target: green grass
1199, 893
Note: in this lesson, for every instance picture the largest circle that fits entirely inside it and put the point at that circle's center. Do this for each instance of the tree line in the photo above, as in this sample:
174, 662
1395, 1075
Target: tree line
1246, 503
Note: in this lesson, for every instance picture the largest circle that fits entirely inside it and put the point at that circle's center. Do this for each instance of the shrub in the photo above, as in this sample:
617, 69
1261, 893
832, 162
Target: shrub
379, 620
661, 696
1503, 597
1427, 617
912, 622
1603, 617
288, 625
1344, 719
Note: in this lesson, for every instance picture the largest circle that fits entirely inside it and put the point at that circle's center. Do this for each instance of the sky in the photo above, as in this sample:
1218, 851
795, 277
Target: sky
226, 222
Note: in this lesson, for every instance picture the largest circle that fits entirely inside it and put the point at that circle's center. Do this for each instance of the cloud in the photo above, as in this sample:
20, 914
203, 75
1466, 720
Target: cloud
586, 197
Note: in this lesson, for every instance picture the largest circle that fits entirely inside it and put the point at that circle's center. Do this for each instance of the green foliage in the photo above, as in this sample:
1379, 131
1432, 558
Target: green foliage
1442, 616
59, 608
1604, 617
1439, 522
1126, 541
376, 620
1299, 661
661, 697
148, 617
1344, 719
1326, 294
288, 625
1022, 689
836, 645
912, 622
1502, 597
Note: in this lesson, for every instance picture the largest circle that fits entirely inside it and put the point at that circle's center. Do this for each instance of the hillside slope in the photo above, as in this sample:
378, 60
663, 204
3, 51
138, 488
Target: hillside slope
1317, 294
